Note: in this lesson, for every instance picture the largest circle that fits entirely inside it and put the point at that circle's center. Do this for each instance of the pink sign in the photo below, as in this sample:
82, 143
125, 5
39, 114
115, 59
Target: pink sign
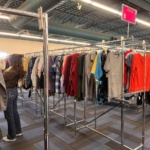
128, 14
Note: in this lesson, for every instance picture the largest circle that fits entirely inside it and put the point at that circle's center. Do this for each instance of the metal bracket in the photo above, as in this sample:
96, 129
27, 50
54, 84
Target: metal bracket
103, 46
40, 19
122, 41
144, 44
79, 6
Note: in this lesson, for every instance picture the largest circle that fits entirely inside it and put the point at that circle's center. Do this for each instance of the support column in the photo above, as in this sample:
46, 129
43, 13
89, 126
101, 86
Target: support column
46, 82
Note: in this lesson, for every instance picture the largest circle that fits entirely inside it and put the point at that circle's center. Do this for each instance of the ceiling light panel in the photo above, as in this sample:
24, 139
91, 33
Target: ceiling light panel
102, 7
4, 17
3, 55
41, 38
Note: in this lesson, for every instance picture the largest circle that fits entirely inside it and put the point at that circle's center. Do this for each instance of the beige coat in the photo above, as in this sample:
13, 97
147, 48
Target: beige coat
88, 82
3, 94
34, 74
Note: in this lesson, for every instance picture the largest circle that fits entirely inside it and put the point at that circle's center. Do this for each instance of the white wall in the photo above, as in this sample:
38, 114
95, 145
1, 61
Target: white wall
17, 46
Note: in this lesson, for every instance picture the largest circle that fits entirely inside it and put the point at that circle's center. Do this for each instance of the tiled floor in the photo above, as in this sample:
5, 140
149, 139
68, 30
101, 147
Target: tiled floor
32, 126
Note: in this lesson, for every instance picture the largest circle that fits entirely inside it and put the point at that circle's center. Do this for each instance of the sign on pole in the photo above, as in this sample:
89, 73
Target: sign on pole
129, 14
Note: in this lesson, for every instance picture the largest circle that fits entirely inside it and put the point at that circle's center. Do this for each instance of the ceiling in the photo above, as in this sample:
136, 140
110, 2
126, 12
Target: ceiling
88, 24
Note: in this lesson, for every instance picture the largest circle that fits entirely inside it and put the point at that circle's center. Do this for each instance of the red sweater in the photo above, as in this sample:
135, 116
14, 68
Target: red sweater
73, 77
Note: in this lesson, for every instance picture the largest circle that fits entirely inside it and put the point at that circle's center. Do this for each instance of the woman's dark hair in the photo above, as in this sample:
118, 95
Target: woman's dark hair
16, 61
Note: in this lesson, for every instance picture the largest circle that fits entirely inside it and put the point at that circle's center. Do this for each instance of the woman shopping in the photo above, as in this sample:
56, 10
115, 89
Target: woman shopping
11, 76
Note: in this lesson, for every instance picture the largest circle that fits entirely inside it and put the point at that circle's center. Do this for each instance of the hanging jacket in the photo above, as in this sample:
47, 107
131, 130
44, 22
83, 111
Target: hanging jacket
28, 81
34, 73
57, 68
88, 82
25, 64
51, 79
3, 95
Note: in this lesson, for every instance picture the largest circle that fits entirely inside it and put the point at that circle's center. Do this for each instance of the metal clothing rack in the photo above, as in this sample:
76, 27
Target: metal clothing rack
73, 121
67, 48
52, 109
33, 99
60, 99
121, 101
64, 97
56, 111
43, 24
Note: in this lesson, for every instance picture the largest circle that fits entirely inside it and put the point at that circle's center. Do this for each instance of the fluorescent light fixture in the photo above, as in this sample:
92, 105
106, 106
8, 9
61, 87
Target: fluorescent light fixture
8, 34
102, 45
4, 17
91, 2
143, 22
102, 7
68, 41
3, 55
87, 1
19, 35
31, 37
41, 38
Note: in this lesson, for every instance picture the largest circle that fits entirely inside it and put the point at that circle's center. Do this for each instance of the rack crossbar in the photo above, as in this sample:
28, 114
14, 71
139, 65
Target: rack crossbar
112, 139
103, 114
138, 147
54, 112
76, 122
19, 12
57, 103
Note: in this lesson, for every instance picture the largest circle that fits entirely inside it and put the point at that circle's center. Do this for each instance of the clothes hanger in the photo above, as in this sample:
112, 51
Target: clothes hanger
103, 46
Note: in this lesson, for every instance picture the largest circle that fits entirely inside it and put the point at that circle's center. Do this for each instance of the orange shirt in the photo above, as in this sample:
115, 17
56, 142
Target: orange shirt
137, 73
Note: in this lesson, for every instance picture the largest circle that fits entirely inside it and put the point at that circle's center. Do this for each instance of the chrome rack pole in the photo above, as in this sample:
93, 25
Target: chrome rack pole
65, 111
21, 92
59, 102
41, 102
122, 96
102, 114
54, 101
36, 101
46, 81
128, 30
96, 101
19, 12
95, 113
75, 121
122, 126
85, 112
143, 104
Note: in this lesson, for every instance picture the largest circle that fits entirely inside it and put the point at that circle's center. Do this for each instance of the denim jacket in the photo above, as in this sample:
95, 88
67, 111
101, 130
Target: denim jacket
3, 95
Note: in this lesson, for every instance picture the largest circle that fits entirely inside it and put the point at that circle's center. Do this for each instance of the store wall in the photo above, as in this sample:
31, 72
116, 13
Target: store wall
12, 46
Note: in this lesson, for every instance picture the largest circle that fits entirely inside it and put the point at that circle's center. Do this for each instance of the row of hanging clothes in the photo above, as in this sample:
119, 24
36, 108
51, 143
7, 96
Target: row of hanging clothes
34, 77
94, 75
79, 74
137, 74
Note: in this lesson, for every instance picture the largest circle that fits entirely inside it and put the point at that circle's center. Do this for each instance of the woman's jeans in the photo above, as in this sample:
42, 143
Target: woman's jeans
11, 114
